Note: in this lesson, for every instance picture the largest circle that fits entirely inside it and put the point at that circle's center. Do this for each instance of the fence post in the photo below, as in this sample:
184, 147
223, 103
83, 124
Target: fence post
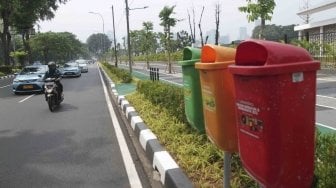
154, 73
151, 73
286, 39
307, 36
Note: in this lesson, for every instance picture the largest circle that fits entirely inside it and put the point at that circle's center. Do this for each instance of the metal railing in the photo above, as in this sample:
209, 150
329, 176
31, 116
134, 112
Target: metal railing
322, 46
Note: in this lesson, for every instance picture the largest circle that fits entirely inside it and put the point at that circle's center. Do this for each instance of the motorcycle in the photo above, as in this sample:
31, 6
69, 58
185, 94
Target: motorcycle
51, 94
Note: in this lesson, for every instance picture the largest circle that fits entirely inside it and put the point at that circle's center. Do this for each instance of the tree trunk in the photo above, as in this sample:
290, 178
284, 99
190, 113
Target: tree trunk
169, 63
147, 61
217, 24
6, 38
262, 29
25, 39
28, 49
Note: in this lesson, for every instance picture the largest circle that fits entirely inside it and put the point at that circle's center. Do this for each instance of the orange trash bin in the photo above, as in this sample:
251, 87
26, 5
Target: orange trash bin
218, 96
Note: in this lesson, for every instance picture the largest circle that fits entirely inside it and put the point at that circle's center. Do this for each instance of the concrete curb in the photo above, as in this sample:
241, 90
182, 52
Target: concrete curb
170, 173
8, 76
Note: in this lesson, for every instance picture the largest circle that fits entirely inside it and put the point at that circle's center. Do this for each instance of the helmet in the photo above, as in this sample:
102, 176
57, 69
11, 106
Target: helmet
52, 65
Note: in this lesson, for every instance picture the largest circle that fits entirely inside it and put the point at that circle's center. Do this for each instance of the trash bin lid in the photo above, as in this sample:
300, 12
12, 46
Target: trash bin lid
213, 53
261, 52
190, 53
190, 56
260, 57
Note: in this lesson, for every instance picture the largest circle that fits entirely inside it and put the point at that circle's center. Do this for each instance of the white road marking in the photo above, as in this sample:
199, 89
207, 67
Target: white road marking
5, 86
326, 126
326, 97
328, 79
128, 162
26, 98
326, 106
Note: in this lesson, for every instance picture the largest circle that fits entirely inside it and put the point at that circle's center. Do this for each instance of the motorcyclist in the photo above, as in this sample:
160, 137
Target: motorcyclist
53, 72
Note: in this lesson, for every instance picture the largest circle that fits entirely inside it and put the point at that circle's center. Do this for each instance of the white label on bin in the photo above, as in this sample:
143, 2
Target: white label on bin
247, 107
297, 77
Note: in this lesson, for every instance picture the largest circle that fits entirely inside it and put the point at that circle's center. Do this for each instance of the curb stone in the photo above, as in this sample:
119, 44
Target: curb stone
170, 173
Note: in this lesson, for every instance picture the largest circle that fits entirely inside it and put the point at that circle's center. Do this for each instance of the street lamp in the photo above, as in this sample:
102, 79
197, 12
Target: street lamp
102, 39
128, 34
115, 41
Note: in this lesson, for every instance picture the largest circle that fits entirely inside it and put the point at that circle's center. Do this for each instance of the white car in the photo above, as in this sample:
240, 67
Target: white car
83, 65
71, 70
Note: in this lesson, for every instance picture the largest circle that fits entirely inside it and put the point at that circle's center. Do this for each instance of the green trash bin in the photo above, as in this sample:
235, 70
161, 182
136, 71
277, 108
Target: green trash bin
192, 88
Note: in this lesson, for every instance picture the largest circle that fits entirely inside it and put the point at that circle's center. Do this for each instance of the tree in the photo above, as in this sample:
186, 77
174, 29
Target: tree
149, 39
58, 47
98, 44
183, 40
23, 14
275, 32
259, 9
136, 41
167, 22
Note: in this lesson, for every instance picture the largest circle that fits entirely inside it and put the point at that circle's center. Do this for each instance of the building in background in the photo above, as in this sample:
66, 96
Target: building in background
242, 33
224, 39
320, 33
212, 36
317, 30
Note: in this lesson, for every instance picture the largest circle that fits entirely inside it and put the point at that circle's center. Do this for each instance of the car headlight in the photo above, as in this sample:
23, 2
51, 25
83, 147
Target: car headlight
16, 80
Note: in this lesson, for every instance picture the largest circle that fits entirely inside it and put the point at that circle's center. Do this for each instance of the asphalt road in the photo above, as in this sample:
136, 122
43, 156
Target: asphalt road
75, 146
325, 99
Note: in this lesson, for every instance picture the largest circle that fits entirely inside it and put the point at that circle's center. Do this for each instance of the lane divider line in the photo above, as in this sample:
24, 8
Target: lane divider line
27, 98
329, 79
326, 106
326, 97
128, 161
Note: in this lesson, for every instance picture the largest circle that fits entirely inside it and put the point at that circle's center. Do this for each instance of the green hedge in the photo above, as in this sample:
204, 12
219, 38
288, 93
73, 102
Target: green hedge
165, 95
325, 156
6, 69
123, 75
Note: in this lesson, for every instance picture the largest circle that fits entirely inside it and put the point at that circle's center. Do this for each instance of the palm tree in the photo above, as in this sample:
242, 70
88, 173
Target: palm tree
148, 31
167, 22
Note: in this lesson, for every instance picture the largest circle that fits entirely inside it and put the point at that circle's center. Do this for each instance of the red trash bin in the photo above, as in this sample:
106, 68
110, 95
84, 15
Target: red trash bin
275, 87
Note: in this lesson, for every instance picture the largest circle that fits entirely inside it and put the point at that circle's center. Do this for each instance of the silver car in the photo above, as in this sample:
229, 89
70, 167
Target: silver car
71, 69
30, 79
83, 65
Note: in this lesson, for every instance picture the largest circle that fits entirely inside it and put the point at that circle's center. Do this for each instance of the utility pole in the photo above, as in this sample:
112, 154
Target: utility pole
115, 42
128, 34
128, 38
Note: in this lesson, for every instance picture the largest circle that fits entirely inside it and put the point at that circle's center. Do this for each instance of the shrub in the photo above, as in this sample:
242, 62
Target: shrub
166, 95
325, 155
123, 75
6, 69
2, 74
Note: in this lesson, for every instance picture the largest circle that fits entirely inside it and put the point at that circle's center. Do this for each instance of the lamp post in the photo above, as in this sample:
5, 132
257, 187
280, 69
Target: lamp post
115, 42
128, 34
102, 39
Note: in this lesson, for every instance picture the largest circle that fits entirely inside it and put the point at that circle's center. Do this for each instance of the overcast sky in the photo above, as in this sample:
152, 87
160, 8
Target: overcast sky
74, 16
